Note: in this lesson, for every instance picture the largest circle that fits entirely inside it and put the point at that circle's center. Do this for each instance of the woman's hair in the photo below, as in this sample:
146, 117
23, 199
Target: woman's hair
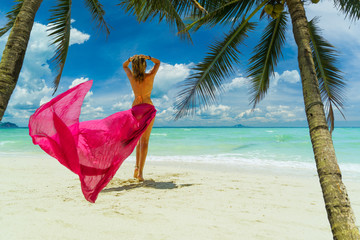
138, 67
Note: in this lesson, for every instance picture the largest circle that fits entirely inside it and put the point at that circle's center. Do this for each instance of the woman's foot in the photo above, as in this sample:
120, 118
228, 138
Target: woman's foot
136, 172
138, 175
140, 178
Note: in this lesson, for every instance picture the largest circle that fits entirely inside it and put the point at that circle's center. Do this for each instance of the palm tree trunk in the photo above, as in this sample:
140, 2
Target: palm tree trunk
14, 52
340, 214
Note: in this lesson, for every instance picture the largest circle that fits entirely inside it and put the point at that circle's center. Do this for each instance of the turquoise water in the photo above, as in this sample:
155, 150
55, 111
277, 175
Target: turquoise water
280, 147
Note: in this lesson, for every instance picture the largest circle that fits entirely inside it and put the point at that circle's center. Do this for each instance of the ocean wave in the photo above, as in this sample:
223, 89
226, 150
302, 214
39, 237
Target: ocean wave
236, 159
159, 134
240, 160
2, 143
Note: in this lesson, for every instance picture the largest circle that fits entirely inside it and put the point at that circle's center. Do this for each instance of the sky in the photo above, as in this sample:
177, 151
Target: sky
94, 56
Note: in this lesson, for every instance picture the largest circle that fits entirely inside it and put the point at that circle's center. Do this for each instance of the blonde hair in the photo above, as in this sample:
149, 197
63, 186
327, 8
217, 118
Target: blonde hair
138, 65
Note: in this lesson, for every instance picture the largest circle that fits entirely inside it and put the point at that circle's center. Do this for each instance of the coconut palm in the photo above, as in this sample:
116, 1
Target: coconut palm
20, 22
322, 82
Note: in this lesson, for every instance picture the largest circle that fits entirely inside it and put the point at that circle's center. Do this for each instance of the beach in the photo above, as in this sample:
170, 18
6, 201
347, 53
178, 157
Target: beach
41, 199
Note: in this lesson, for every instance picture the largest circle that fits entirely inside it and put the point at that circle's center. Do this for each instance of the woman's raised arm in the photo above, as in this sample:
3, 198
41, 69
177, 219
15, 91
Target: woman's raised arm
126, 67
156, 66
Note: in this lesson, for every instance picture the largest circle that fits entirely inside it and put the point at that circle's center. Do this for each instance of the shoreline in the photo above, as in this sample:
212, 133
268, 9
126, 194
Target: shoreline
177, 201
349, 171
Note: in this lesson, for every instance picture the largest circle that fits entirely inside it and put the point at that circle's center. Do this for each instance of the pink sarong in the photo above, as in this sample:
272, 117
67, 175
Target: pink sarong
94, 149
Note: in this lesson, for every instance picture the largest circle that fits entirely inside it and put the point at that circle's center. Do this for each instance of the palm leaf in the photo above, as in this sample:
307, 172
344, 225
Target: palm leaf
208, 5
331, 81
59, 28
170, 10
11, 16
202, 85
351, 8
265, 58
228, 13
199, 7
97, 13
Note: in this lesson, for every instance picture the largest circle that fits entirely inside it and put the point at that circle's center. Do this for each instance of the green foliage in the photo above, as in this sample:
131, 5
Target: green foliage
228, 13
331, 81
266, 55
218, 64
201, 86
351, 8
59, 28
98, 13
168, 10
11, 16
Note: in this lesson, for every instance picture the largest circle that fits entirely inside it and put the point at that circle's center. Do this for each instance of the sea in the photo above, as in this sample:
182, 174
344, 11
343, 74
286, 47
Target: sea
262, 148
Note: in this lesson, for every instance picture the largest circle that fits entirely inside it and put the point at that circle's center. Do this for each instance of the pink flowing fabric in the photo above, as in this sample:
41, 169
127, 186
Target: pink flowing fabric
94, 149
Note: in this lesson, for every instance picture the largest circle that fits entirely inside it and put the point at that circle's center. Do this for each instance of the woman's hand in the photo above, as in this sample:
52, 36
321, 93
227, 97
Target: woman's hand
132, 58
144, 56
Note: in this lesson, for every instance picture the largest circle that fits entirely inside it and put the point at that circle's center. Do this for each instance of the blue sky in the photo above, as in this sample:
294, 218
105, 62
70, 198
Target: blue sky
92, 56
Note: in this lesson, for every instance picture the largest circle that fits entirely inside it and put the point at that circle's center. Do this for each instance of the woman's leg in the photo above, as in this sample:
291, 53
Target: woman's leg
136, 171
144, 143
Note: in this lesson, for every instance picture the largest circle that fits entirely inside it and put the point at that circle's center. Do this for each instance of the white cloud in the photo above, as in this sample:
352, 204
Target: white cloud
38, 53
287, 76
215, 111
249, 113
45, 99
279, 113
335, 27
124, 103
168, 76
290, 76
236, 83
77, 81
24, 101
89, 109
285, 113
165, 115
77, 37
88, 112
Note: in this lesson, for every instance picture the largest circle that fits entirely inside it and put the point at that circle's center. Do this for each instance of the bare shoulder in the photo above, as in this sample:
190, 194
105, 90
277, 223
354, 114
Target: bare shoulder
128, 72
149, 76
154, 70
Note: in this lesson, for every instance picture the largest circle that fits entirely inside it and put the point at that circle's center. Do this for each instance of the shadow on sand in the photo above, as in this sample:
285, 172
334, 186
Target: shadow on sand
146, 184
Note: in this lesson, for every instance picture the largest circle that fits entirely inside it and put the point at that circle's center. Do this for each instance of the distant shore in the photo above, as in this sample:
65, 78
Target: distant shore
8, 125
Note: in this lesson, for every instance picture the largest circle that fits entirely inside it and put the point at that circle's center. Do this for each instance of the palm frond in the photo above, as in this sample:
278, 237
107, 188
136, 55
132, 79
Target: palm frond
98, 13
265, 58
208, 5
199, 7
331, 81
169, 10
202, 85
11, 16
351, 8
227, 13
59, 28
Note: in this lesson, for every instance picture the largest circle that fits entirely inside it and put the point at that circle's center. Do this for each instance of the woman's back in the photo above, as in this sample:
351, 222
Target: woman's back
142, 89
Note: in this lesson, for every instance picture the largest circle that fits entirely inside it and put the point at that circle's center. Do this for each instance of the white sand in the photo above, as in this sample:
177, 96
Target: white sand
41, 199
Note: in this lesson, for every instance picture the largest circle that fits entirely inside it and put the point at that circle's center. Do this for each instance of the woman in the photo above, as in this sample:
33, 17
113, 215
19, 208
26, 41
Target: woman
95, 149
142, 85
